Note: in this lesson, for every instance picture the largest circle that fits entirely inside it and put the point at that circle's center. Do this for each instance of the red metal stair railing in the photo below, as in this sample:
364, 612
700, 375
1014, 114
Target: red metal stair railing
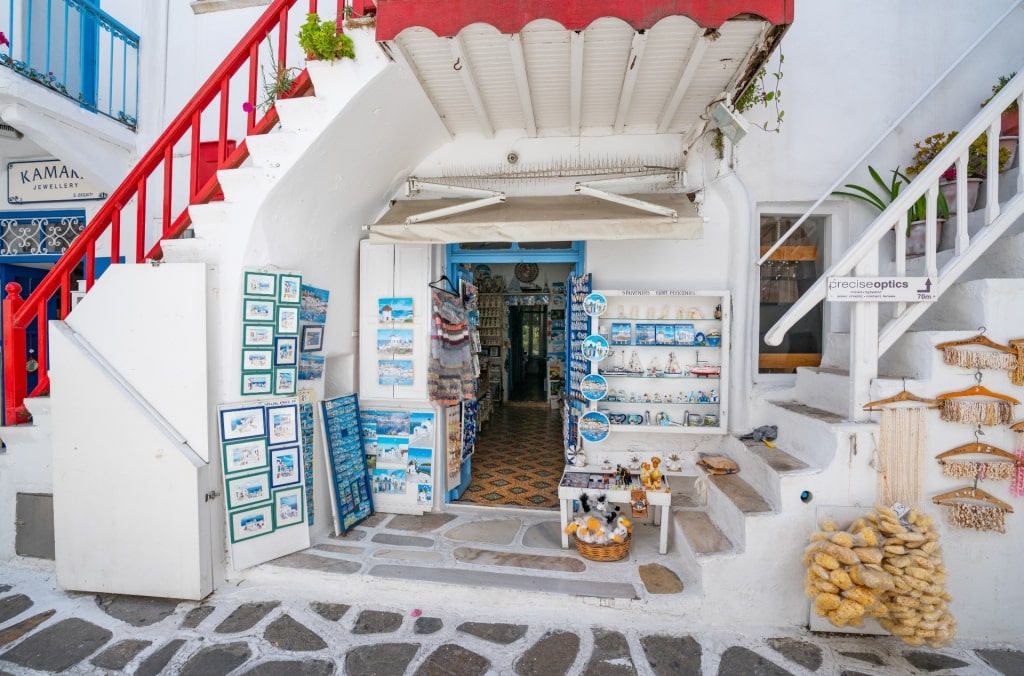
153, 191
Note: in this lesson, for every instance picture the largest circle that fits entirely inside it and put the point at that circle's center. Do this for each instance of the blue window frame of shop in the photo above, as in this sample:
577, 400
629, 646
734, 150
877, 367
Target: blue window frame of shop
515, 252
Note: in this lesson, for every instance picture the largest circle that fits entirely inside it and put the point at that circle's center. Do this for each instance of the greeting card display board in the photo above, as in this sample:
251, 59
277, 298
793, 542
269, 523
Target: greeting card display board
346, 460
263, 480
270, 332
399, 444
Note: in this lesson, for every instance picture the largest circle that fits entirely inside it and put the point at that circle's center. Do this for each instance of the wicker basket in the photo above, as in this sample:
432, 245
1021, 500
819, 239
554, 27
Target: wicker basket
612, 551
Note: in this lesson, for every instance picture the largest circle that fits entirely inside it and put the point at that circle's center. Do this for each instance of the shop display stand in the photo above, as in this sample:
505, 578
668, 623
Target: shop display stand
493, 333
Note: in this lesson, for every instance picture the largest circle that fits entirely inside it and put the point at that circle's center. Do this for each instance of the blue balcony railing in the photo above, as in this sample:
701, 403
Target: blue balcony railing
77, 50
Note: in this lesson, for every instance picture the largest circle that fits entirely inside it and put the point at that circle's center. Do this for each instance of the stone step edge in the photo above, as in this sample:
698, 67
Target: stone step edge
728, 547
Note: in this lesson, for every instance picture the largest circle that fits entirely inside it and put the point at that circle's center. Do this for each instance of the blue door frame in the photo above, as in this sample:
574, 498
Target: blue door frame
458, 256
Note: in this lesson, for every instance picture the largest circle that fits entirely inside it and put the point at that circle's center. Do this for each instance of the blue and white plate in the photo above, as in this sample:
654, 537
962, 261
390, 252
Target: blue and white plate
595, 347
595, 305
594, 426
594, 387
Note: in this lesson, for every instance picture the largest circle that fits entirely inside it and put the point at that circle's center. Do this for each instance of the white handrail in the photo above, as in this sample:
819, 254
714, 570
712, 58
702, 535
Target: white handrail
987, 120
857, 163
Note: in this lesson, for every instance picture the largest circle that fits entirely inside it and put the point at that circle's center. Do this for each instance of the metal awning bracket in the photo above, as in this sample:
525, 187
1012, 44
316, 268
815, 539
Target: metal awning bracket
627, 201
414, 186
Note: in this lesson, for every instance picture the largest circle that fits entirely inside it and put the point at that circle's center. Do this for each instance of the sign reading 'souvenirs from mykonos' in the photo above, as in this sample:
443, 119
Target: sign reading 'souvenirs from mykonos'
48, 181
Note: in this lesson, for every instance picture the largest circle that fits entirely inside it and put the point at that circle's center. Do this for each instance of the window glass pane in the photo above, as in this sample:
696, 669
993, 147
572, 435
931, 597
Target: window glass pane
484, 246
545, 245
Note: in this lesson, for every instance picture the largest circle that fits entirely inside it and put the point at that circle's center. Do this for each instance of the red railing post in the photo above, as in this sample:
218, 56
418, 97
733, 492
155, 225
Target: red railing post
15, 374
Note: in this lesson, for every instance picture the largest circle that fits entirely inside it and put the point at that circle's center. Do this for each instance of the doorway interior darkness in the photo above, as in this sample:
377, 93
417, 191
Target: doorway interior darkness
519, 458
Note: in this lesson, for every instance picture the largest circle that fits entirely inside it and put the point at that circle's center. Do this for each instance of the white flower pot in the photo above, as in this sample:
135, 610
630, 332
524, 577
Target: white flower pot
948, 189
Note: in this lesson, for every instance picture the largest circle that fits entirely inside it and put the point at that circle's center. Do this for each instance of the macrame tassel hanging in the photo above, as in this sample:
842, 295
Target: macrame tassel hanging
992, 471
976, 412
976, 517
1017, 485
978, 359
902, 437
1017, 372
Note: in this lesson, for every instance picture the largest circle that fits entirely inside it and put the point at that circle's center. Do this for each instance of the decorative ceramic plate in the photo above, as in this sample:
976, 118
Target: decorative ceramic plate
594, 426
594, 387
595, 304
595, 348
527, 272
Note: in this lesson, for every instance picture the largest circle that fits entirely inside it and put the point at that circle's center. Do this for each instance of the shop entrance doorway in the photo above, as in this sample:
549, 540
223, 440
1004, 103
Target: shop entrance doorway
519, 456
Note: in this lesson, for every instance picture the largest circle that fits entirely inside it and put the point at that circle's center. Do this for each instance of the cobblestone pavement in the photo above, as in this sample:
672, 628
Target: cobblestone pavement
269, 629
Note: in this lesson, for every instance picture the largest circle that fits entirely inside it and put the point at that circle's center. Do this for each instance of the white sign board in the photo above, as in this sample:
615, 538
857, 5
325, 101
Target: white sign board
880, 289
47, 181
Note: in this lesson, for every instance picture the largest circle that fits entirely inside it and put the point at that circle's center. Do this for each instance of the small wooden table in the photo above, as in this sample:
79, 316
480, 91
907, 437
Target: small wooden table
657, 501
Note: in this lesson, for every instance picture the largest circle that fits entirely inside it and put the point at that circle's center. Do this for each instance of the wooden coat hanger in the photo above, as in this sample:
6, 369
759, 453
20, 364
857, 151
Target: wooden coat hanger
1018, 427
980, 339
977, 447
978, 391
444, 285
971, 493
905, 395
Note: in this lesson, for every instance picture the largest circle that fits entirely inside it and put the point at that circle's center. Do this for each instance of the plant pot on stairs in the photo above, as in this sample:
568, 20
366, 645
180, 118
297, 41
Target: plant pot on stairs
948, 189
917, 237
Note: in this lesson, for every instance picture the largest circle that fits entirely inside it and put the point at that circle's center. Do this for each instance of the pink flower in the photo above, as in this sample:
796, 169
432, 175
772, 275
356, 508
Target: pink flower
247, 107
949, 174
4, 42
416, 612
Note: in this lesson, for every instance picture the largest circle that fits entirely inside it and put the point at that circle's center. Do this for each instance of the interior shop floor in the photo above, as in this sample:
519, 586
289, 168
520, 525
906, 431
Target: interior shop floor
518, 459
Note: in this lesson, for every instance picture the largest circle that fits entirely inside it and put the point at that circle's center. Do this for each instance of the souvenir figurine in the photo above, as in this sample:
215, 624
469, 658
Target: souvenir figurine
673, 367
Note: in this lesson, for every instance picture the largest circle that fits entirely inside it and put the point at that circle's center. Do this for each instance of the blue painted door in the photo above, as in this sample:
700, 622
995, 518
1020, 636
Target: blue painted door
28, 278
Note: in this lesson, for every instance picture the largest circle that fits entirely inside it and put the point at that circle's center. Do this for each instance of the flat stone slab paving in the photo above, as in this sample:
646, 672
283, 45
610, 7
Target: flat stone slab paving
217, 660
420, 524
553, 654
672, 656
377, 622
870, 658
287, 634
245, 617
417, 555
156, 662
737, 660
120, 654
16, 631
12, 606
611, 656
428, 625
196, 616
543, 535
454, 660
354, 535
500, 633
402, 540
59, 646
497, 532
479, 578
381, 658
702, 534
807, 655
340, 549
933, 661
1010, 662
314, 562
329, 611
136, 610
487, 557
374, 520
293, 668
658, 579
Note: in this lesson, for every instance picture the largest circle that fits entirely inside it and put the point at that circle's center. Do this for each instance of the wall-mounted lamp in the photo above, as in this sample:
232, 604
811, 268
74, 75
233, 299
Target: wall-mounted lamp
732, 124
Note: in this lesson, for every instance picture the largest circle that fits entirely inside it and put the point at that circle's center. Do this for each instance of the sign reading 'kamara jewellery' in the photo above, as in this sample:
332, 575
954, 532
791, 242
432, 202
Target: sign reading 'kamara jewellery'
880, 289
48, 181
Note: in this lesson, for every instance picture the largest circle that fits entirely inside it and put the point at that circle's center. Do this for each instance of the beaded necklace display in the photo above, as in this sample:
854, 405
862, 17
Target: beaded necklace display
980, 352
1017, 484
996, 409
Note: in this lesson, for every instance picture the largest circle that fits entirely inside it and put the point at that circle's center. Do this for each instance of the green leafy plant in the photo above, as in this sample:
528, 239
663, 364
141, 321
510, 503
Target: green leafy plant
278, 82
887, 192
977, 155
998, 87
320, 40
765, 90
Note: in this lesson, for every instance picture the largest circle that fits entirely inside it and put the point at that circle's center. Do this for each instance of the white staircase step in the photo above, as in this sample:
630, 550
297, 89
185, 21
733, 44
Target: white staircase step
809, 434
980, 302
191, 250
277, 150
304, 113
702, 536
776, 458
245, 185
742, 494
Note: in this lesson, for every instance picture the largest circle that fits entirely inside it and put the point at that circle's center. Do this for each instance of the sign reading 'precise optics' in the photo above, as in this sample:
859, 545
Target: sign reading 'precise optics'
880, 289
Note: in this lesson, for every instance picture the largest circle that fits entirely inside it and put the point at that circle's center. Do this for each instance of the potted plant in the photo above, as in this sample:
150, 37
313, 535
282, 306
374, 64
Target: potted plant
977, 165
916, 235
1011, 116
321, 41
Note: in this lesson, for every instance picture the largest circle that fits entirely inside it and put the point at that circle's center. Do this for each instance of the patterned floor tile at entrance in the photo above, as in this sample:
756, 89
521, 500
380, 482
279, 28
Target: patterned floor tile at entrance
518, 459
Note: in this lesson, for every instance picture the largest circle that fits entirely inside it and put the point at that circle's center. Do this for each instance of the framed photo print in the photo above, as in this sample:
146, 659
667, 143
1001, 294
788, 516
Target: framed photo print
285, 380
251, 523
284, 466
257, 335
257, 360
290, 288
248, 489
312, 338
494, 351
258, 310
258, 383
289, 507
260, 284
283, 424
241, 423
288, 319
243, 456
285, 351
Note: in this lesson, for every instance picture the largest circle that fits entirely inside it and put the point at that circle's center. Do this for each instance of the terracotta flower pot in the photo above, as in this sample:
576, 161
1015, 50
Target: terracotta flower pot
948, 189
1010, 123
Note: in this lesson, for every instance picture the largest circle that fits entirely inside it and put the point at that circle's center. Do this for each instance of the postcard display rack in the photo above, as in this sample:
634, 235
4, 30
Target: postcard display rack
493, 333
263, 480
658, 364
399, 441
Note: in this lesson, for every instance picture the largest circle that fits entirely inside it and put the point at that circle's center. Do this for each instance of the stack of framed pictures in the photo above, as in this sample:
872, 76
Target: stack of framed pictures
313, 315
263, 468
270, 333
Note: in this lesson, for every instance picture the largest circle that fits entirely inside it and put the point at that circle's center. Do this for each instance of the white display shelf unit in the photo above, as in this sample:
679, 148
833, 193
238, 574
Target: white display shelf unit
656, 328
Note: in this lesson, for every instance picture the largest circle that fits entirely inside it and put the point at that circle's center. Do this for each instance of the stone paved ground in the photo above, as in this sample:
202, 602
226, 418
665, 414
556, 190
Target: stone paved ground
272, 630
